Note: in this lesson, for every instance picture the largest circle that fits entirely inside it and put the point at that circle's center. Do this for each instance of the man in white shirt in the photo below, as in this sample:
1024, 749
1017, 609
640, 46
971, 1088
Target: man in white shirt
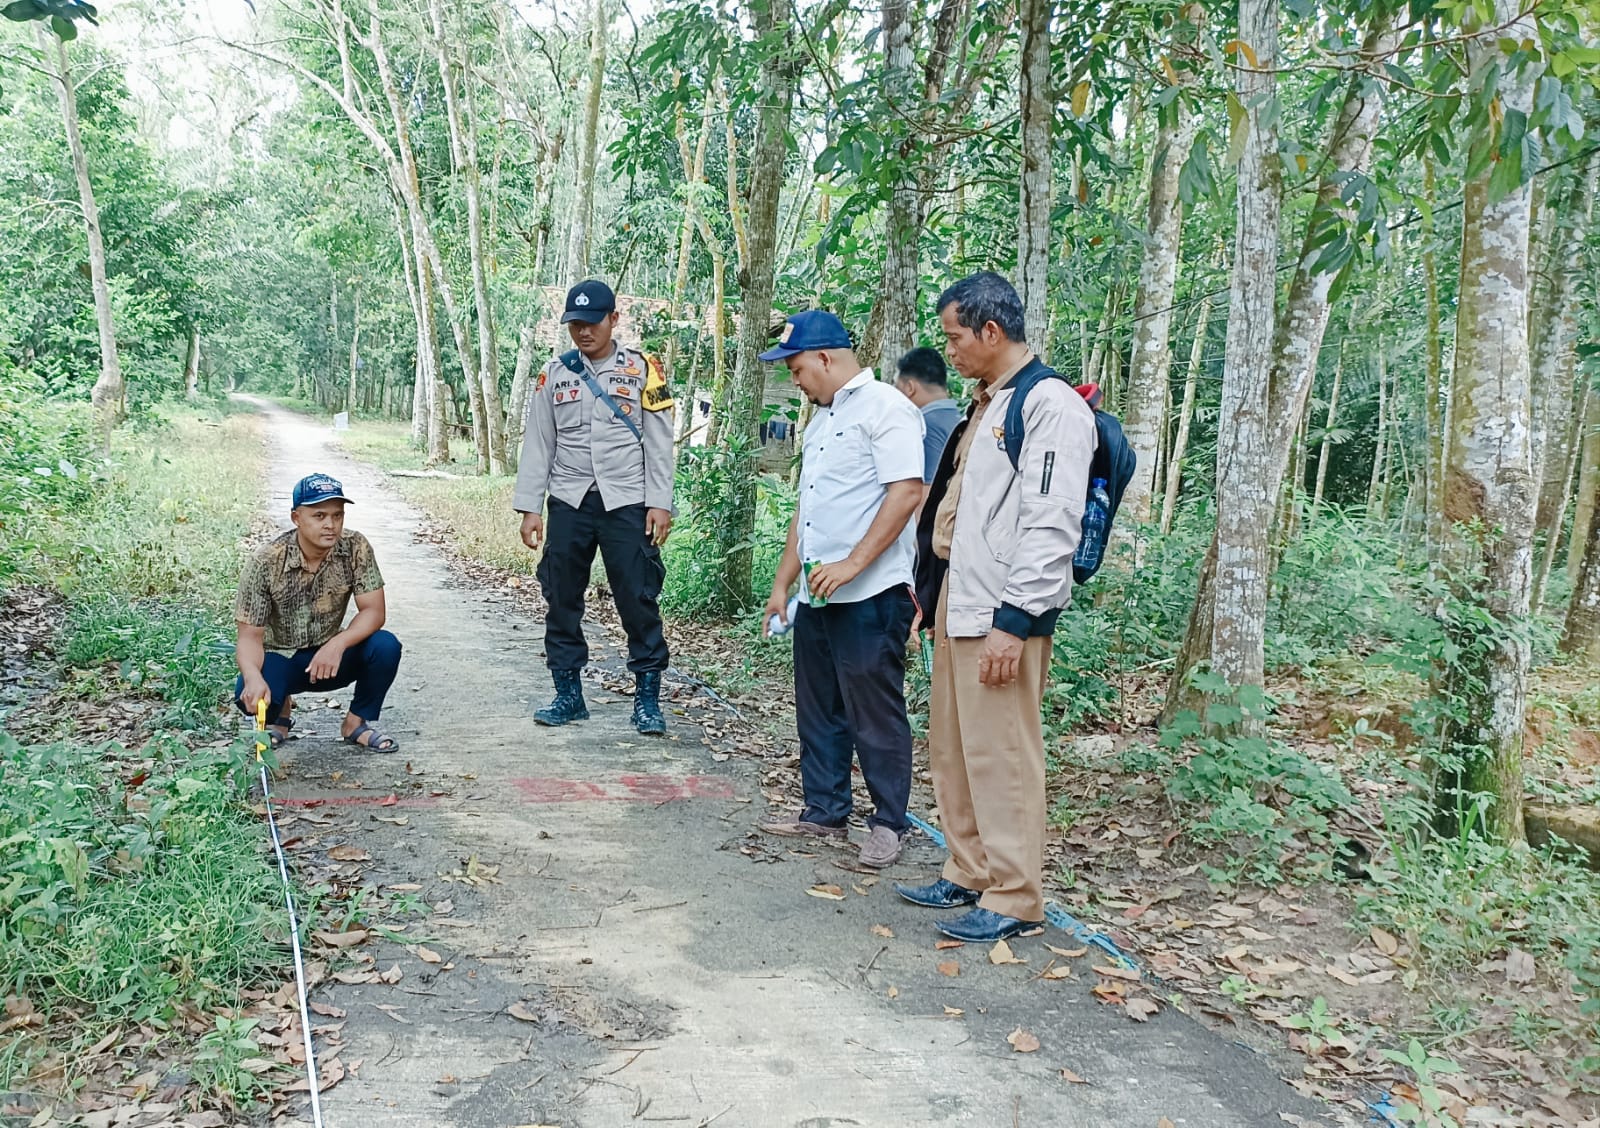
860, 482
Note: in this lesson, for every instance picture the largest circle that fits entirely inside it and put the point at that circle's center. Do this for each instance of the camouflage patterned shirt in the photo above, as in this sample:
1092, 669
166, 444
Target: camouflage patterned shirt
301, 608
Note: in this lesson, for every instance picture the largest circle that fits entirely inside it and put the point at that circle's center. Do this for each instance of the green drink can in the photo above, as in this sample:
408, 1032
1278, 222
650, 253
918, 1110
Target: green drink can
817, 600
927, 652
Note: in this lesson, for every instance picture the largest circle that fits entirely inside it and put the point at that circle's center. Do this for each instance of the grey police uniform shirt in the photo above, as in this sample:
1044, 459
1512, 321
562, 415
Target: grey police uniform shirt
573, 441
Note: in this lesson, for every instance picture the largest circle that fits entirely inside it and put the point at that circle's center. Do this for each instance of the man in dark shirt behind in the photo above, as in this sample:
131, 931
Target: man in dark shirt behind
924, 381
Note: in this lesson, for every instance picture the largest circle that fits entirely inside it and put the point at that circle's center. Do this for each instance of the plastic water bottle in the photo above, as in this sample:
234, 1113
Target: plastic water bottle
1096, 519
781, 626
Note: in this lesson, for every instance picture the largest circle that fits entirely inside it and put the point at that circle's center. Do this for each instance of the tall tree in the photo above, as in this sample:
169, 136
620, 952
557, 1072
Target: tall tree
109, 397
464, 153
1150, 355
1489, 487
1246, 488
588, 147
772, 22
1036, 184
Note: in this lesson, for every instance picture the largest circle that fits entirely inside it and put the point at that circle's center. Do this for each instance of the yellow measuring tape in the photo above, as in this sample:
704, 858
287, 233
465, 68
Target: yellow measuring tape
312, 1077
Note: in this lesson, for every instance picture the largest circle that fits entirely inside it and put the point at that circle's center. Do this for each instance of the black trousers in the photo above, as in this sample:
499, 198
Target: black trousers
849, 690
371, 663
633, 568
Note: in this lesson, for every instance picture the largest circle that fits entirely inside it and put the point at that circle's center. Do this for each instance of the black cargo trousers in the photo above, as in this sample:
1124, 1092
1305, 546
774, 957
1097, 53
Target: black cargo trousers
633, 569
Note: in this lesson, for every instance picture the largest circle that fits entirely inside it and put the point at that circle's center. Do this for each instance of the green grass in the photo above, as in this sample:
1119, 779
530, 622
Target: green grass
133, 884
131, 900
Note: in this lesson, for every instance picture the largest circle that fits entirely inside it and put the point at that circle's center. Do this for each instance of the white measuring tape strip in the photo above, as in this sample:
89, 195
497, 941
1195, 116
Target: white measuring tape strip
312, 1077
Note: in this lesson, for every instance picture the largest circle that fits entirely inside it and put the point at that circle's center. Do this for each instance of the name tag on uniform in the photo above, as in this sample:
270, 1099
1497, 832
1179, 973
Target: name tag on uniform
566, 391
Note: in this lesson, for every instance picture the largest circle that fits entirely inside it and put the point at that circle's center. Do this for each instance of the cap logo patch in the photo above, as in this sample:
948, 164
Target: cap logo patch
581, 300
788, 331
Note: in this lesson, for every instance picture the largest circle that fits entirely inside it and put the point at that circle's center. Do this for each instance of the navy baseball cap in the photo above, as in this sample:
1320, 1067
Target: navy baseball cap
807, 330
314, 489
589, 301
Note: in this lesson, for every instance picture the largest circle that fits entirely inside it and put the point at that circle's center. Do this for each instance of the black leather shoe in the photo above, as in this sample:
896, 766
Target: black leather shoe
941, 894
984, 926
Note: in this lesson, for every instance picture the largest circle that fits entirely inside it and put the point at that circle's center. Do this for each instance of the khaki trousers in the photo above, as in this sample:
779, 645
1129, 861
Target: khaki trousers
986, 750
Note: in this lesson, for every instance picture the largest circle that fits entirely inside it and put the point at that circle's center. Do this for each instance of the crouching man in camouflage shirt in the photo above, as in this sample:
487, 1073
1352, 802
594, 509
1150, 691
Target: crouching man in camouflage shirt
293, 594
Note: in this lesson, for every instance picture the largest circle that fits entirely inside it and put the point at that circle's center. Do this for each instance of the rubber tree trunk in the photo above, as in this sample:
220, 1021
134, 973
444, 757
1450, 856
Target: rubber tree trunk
516, 417
1293, 362
464, 151
1489, 489
588, 147
1588, 485
1433, 386
1150, 355
1581, 638
1033, 213
1326, 450
772, 24
191, 365
109, 395
1246, 488
353, 367
897, 297
1180, 438
1380, 446
1554, 362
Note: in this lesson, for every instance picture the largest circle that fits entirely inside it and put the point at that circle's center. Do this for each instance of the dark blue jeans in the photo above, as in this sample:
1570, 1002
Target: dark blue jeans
372, 664
849, 690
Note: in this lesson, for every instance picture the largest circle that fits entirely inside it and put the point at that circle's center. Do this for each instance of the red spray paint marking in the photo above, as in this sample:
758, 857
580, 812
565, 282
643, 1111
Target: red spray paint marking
625, 789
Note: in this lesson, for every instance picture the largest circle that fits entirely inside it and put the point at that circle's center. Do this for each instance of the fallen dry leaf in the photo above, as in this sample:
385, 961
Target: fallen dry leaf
1132, 975
882, 930
1068, 953
946, 945
826, 892
521, 1013
1165, 1123
327, 1010
1068, 1075
950, 968
1386, 941
953, 1012
1001, 954
349, 854
894, 992
1342, 976
1520, 967
428, 955
1022, 1041
342, 939
1062, 972
1140, 1010
392, 976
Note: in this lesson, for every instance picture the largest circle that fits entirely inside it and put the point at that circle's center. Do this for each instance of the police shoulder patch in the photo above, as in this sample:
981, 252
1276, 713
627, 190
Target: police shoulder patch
657, 396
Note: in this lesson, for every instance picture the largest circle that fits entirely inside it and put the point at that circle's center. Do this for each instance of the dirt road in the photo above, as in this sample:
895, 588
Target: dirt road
626, 963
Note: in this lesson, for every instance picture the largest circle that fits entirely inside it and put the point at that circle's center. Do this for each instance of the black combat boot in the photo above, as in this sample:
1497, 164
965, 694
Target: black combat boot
647, 716
568, 705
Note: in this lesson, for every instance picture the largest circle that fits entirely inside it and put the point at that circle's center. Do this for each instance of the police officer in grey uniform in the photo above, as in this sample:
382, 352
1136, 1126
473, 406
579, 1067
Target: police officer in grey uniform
598, 446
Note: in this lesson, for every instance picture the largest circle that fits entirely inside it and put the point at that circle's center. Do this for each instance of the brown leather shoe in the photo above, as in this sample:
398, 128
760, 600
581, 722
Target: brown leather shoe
882, 848
800, 828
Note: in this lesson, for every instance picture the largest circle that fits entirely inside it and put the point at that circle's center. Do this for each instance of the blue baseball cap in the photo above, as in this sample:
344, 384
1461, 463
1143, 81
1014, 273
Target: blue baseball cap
314, 489
807, 330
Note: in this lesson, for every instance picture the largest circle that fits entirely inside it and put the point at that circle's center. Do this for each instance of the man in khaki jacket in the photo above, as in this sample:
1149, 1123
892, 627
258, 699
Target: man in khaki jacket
996, 571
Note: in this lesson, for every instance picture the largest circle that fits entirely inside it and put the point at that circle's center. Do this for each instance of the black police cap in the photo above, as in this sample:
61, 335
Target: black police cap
589, 301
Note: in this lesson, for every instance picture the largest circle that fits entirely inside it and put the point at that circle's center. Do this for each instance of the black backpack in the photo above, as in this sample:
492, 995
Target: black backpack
1113, 459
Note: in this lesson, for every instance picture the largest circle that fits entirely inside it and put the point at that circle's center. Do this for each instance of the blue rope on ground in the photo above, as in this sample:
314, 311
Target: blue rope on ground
1384, 1112
1053, 913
